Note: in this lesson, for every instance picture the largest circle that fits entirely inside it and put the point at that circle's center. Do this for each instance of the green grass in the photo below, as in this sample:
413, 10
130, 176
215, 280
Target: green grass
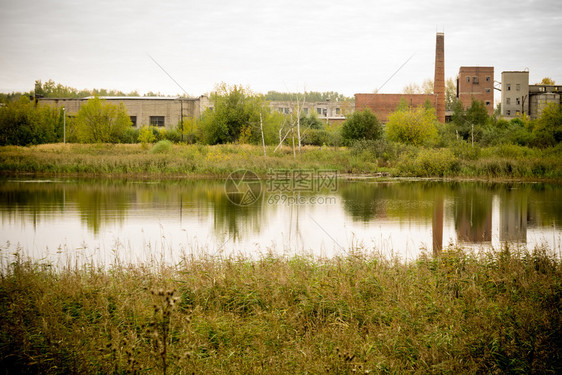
459, 312
165, 159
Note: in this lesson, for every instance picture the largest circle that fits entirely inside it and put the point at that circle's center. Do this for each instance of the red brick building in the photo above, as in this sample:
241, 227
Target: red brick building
384, 104
476, 82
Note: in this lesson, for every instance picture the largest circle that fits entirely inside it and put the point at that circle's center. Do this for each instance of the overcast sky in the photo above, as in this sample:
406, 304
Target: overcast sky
346, 46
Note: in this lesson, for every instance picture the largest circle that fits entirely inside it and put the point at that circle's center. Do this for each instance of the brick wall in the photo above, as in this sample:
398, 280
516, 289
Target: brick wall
439, 80
478, 83
384, 104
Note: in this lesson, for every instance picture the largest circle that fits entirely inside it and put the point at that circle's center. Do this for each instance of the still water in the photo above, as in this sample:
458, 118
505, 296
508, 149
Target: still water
70, 222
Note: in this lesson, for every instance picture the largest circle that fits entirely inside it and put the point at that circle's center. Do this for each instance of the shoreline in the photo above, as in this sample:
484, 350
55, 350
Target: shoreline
217, 162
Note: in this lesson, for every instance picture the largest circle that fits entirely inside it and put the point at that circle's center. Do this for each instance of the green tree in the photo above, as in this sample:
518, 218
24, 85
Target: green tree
450, 94
312, 96
311, 121
101, 122
470, 124
24, 123
414, 126
238, 114
548, 127
361, 125
425, 88
547, 81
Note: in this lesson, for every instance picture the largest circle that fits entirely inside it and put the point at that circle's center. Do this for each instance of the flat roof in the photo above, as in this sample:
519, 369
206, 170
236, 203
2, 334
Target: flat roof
136, 97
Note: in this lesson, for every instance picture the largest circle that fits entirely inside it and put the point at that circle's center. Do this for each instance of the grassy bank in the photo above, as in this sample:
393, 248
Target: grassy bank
457, 313
507, 161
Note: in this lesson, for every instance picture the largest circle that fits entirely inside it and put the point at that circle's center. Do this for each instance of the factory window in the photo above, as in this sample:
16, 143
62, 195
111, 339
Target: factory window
488, 103
157, 120
508, 101
325, 112
508, 87
286, 110
517, 87
488, 79
488, 90
338, 111
467, 79
319, 111
133, 120
508, 112
518, 101
475, 80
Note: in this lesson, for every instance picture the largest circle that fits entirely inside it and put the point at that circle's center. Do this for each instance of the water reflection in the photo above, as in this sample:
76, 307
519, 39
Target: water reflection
473, 214
393, 215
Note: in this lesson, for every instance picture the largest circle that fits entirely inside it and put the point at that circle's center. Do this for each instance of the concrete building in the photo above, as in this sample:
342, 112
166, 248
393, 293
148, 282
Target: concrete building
518, 97
542, 95
515, 94
329, 111
476, 82
164, 112
384, 104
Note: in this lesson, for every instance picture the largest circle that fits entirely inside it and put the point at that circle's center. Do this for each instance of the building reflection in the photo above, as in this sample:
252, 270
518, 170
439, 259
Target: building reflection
513, 216
473, 216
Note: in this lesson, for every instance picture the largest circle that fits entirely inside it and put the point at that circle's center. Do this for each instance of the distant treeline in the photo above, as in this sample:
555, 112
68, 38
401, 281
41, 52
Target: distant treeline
311, 96
51, 89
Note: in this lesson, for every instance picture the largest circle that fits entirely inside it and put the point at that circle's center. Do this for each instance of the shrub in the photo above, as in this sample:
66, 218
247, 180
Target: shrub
415, 126
22, 123
380, 148
101, 122
361, 125
161, 147
429, 162
464, 151
173, 135
146, 136
315, 137
131, 135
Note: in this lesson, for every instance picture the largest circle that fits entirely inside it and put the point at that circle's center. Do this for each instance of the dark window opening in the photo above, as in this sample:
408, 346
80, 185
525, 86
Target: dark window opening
157, 121
133, 120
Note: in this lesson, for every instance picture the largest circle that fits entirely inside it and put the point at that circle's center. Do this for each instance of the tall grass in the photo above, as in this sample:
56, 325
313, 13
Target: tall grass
367, 157
459, 312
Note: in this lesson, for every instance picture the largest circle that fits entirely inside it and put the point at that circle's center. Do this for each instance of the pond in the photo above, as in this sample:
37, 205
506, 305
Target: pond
102, 222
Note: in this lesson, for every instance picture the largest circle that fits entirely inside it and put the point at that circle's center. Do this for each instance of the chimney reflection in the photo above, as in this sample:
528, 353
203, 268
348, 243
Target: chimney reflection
437, 225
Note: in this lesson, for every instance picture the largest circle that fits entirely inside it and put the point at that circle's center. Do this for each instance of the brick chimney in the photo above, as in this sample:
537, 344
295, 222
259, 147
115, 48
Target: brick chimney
439, 80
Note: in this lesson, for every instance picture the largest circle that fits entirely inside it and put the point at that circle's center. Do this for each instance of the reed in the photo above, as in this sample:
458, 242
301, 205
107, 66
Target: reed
458, 312
132, 160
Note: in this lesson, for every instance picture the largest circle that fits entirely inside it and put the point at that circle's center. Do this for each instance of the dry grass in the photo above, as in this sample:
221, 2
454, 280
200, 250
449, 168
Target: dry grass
129, 160
461, 312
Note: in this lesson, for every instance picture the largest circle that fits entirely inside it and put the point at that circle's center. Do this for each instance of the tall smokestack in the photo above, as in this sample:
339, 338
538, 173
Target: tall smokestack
439, 80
